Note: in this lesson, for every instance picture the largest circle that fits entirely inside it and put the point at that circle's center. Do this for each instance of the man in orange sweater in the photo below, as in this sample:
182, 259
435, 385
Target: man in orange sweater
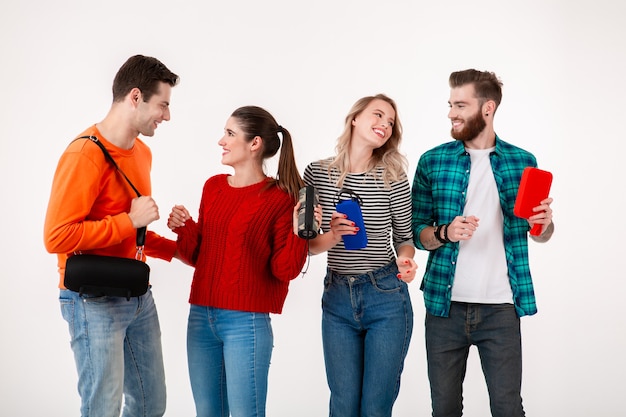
92, 209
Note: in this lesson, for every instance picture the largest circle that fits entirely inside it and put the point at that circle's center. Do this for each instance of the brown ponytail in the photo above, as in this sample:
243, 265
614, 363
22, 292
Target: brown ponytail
256, 121
288, 178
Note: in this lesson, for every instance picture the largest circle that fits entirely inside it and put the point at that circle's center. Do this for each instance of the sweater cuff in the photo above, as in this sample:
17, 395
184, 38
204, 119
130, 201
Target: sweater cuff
125, 224
160, 247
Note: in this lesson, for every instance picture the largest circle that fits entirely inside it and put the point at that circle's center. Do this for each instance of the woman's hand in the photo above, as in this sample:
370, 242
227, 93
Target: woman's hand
178, 217
340, 225
407, 268
317, 214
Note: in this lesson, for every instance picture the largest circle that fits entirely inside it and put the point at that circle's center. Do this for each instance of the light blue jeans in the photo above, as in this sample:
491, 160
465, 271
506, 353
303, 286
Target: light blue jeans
367, 322
117, 349
229, 354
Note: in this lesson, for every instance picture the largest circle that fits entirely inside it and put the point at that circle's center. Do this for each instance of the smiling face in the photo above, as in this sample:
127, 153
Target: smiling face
235, 148
154, 111
466, 113
374, 125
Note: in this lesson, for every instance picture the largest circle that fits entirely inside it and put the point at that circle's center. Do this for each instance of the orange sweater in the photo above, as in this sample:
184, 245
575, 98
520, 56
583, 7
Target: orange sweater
90, 201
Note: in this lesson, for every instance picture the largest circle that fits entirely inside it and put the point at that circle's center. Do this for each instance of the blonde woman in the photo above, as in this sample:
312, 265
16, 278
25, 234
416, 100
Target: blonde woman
367, 315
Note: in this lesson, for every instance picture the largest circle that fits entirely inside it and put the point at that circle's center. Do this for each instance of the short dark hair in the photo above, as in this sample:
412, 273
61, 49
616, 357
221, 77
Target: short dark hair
143, 72
486, 84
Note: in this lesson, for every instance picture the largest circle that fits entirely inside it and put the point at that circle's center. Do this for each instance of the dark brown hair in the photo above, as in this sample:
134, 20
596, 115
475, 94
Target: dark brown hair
486, 84
143, 72
256, 121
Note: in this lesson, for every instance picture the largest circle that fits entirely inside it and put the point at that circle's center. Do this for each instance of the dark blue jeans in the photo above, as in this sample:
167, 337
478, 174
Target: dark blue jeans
367, 323
495, 330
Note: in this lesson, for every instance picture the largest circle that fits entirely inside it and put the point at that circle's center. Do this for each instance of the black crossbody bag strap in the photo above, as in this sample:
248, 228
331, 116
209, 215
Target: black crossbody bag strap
141, 232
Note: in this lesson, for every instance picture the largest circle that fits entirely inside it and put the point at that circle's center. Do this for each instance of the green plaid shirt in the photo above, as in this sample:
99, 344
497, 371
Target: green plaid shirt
438, 195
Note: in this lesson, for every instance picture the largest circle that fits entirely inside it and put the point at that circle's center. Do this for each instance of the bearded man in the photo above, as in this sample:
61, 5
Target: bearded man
477, 282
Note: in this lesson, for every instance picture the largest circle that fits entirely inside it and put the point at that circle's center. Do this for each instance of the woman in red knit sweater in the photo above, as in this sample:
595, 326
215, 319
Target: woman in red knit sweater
245, 250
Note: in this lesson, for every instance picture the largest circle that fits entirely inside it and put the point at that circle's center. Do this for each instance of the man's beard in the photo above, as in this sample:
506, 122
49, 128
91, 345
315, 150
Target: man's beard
471, 128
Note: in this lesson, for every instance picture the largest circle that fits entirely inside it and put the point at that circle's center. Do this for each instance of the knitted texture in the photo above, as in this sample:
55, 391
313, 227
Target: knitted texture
242, 246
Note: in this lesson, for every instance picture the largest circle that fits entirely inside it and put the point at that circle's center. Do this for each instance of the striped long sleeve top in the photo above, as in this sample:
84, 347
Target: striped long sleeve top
386, 215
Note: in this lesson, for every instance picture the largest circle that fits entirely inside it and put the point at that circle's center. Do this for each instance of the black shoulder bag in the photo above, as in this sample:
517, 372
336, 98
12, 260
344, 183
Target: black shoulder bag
109, 275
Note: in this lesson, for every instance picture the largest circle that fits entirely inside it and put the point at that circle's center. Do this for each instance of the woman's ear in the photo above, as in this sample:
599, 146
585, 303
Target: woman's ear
256, 143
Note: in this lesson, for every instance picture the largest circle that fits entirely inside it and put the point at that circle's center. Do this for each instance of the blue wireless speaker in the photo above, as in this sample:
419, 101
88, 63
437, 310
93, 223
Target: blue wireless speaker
352, 209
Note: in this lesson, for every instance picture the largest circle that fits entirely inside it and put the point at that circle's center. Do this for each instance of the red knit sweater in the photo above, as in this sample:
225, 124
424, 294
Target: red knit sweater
243, 247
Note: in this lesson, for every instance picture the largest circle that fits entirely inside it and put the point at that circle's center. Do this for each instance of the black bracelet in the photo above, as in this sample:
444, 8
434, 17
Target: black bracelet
438, 234
445, 234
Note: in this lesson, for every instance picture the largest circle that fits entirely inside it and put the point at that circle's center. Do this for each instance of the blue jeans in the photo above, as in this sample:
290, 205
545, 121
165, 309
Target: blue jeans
367, 321
117, 348
229, 354
495, 330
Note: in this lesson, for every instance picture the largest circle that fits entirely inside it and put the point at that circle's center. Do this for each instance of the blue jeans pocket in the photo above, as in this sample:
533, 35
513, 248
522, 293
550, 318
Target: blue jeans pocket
327, 281
67, 312
387, 284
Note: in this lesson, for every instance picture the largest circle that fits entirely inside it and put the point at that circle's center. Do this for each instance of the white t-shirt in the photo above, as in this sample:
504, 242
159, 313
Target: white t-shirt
481, 273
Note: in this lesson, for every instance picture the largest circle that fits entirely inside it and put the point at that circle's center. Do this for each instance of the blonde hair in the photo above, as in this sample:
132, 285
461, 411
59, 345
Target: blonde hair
388, 156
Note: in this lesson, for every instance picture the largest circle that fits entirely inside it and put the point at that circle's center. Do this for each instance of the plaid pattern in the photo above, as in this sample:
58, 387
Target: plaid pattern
438, 195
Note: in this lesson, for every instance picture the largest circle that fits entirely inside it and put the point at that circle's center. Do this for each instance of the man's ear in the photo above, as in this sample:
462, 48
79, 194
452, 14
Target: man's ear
489, 107
135, 96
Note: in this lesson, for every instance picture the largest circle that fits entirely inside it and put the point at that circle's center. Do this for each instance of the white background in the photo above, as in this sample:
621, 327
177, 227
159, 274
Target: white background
562, 64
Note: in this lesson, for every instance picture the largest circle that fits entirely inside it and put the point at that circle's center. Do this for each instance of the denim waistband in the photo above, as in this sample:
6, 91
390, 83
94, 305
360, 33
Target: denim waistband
383, 271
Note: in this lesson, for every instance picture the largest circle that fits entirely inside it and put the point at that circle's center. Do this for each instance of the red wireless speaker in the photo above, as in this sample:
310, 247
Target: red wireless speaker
534, 187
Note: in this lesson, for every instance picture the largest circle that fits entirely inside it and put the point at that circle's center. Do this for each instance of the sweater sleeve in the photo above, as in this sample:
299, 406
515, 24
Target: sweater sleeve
190, 235
159, 247
188, 242
290, 251
71, 222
